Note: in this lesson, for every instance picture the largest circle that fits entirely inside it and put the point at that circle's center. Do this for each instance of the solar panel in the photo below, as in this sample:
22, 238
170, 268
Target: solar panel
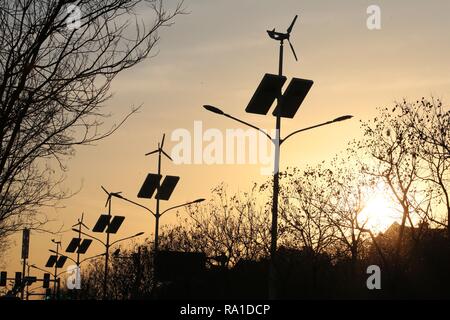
18, 278
61, 261
73, 245
167, 187
149, 186
51, 261
84, 246
268, 90
102, 223
293, 97
115, 224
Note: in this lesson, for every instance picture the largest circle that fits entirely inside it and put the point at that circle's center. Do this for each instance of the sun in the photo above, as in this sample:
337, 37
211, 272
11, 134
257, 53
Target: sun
378, 213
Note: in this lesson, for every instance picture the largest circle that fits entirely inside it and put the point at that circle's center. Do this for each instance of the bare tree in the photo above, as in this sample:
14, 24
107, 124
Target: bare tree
235, 226
390, 154
55, 77
305, 196
430, 122
349, 191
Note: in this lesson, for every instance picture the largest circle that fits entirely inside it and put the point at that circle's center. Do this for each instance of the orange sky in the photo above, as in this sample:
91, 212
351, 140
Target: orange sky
217, 55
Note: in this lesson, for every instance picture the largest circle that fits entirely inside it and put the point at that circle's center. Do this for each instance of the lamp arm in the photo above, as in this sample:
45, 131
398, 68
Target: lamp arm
249, 125
90, 236
178, 206
136, 204
123, 239
97, 255
305, 129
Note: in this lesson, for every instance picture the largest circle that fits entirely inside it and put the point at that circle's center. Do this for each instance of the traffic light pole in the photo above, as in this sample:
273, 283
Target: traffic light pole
22, 292
28, 287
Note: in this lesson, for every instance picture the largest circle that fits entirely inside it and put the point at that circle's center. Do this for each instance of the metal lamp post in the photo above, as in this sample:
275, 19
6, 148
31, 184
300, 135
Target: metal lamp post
278, 141
287, 105
107, 245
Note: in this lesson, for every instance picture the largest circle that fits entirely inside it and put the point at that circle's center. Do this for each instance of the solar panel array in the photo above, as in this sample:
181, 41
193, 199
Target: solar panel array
270, 89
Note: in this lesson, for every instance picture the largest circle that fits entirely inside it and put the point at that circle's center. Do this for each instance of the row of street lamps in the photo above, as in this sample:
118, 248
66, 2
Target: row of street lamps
269, 90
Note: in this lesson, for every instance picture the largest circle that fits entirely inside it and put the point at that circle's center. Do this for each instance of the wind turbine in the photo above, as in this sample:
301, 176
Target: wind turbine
279, 36
160, 152
80, 223
160, 149
78, 226
110, 195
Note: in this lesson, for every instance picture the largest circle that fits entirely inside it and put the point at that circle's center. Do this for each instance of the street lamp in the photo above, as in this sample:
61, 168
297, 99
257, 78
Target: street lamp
157, 215
112, 243
278, 141
107, 245
78, 262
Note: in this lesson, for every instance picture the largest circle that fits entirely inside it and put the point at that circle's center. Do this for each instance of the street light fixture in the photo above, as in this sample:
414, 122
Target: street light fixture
213, 109
107, 244
288, 103
158, 215
57, 261
219, 111
278, 141
112, 243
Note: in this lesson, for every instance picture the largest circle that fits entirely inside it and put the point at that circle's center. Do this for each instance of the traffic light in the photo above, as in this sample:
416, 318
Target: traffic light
18, 278
3, 276
48, 294
46, 281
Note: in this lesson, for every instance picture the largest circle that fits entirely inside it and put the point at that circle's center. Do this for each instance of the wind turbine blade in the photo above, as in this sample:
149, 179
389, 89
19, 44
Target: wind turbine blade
108, 200
84, 225
166, 155
152, 152
293, 51
109, 195
292, 24
105, 190
162, 141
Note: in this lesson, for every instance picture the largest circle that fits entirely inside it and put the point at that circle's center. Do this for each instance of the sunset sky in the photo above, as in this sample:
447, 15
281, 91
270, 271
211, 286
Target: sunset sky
217, 54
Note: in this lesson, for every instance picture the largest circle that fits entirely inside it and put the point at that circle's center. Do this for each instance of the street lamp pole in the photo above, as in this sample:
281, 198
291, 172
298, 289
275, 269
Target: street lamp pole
276, 188
105, 274
276, 169
157, 215
277, 141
